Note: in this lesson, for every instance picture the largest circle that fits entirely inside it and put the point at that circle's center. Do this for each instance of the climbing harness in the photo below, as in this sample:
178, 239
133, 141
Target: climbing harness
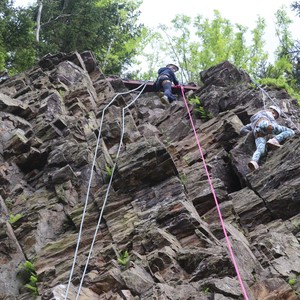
215, 197
108, 187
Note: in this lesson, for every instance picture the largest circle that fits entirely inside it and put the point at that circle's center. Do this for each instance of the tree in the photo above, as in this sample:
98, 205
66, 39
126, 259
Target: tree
106, 27
17, 45
147, 57
283, 64
256, 56
295, 49
198, 44
296, 6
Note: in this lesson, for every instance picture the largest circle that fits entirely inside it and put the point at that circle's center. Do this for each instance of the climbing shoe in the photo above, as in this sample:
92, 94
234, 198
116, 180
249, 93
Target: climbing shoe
273, 144
253, 165
164, 100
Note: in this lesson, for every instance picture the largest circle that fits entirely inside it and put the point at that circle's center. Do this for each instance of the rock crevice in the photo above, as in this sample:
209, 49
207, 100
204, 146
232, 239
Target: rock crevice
160, 208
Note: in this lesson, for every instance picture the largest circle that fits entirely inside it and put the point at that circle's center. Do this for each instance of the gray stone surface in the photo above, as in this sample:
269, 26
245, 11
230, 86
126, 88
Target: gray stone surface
161, 207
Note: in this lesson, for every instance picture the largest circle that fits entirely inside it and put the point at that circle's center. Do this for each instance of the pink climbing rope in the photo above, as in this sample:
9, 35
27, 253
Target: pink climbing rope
215, 197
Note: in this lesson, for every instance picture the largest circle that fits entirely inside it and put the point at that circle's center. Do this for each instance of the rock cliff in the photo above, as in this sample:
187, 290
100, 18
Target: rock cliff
159, 233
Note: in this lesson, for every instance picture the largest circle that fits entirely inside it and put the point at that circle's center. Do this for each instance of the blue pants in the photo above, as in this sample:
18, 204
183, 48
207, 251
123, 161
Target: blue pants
166, 84
280, 132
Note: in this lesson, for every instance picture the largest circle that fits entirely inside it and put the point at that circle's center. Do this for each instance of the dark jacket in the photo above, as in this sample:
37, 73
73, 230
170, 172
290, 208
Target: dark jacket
169, 73
164, 74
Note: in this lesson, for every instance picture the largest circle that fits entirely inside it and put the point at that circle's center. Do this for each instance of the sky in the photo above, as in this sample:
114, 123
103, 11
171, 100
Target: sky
243, 12
237, 11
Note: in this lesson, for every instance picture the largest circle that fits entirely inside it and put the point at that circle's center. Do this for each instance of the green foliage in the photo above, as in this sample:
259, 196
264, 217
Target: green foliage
284, 73
14, 218
292, 281
168, 141
282, 32
124, 258
111, 30
108, 171
194, 101
62, 93
199, 43
282, 83
183, 179
186, 159
152, 59
256, 57
28, 275
198, 107
254, 276
17, 41
108, 28
32, 288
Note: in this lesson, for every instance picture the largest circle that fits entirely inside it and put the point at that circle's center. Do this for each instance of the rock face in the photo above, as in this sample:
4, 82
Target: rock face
148, 196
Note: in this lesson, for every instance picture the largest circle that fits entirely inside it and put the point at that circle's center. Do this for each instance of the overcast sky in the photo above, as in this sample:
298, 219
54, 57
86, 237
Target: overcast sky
244, 12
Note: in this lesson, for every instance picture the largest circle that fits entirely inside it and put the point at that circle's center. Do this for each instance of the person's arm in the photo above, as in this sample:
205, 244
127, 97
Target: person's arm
246, 129
172, 77
175, 80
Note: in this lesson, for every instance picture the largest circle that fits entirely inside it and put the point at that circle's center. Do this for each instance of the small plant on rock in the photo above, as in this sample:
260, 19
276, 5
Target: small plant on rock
14, 218
183, 179
28, 275
199, 109
254, 276
108, 170
124, 258
292, 281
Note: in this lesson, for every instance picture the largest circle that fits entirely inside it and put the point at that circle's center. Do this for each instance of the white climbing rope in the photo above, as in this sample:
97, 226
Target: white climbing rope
89, 187
263, 99
108, 189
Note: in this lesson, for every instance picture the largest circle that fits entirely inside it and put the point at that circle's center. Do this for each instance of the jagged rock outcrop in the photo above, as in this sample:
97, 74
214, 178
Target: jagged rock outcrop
159, 205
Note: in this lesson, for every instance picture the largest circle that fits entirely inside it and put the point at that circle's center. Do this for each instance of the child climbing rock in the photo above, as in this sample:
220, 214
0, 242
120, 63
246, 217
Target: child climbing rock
262, 124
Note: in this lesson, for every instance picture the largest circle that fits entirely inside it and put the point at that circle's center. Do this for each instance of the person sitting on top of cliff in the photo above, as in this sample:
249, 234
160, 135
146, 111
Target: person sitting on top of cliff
166, 76
262, 124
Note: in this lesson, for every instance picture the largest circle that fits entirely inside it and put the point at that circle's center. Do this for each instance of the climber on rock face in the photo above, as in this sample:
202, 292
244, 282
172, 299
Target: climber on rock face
262, 124
166, 76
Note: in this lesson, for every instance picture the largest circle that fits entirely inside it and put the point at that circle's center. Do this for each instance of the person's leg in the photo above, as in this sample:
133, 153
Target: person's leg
260, 143
282, 133
167, 86
164, 99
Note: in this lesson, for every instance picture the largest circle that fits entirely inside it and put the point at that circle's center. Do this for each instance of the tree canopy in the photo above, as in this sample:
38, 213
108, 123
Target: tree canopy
17, 43
108, 28
111, 30
199, 43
